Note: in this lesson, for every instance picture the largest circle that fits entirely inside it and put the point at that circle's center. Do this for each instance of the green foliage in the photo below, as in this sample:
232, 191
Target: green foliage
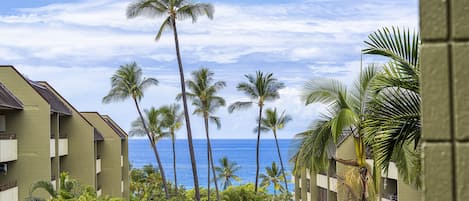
244, 193
273, 177
70, 190
128, 82
227, 172
393, 124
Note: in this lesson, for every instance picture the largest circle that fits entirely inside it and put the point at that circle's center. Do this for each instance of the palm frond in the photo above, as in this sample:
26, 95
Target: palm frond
195, 10
239, 105
322, 91
400, 46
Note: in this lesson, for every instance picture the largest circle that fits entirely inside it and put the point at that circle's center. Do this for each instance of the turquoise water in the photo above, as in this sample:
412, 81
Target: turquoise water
242, 152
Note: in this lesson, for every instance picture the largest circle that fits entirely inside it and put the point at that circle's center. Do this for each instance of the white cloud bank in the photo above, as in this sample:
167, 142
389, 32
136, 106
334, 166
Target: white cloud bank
77, 46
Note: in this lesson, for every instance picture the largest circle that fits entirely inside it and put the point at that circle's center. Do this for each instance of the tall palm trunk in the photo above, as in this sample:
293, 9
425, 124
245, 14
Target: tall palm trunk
210, 161
155, 151
174, 161
281, 161
186, 111
257, 145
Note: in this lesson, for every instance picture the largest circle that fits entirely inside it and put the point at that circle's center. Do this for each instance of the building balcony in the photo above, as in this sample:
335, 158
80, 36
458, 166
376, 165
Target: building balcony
9, 191
122, 186
99, 192
8, 147
53, 181
321, 181
98, 166
52, 147
63, 146
122, 161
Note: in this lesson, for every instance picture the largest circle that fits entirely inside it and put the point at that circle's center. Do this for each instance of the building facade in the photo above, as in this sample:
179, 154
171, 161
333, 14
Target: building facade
42, 135
328, 185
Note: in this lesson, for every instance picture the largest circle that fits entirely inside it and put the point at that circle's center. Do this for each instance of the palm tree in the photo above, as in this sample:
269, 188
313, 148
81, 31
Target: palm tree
203, 92
172, 120
273, 177
173, 10
128, 82
226, 172
69, 188
347, 110
393, 124
259, 88
274, 122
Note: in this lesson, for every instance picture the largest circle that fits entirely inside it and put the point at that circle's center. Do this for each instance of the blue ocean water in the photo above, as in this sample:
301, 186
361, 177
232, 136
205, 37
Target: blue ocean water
242, 152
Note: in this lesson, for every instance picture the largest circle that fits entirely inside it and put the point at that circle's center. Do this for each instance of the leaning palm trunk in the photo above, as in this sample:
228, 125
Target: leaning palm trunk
281, 161
155, 151
257, 146
210, 165
174, 161
186, 111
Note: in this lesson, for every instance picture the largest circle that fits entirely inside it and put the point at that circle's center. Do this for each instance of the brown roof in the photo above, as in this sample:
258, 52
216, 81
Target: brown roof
56, 105
115, 127
97, 135
8, 100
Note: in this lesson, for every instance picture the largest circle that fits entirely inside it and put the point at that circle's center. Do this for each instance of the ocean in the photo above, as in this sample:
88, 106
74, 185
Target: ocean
243, 152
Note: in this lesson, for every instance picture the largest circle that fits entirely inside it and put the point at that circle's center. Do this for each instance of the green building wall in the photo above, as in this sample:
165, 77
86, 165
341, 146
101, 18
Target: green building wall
111, 174
125, 154
34, 163
444, 68
80, 161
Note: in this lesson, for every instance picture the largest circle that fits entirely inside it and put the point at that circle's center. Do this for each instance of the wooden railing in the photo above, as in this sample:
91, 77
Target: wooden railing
8, 185
7, 136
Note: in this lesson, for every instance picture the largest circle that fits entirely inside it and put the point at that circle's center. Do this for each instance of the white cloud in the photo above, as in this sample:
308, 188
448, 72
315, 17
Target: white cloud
77, 46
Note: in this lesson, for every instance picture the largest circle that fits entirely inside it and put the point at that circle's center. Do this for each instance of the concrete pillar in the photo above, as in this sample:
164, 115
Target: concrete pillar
444, 65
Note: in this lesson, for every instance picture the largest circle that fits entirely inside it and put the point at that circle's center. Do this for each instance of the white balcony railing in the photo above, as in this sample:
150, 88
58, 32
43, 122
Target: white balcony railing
52, 148
98, 166
122, 161
9, 193
8, 149
122, 186
63, 147
99, 192
321, 181
54, 184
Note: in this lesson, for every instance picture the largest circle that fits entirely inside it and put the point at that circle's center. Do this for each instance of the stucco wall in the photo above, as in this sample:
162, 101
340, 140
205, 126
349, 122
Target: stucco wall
444, 62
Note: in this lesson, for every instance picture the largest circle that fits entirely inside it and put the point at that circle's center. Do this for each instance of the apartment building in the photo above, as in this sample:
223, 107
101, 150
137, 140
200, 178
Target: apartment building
326, 185
113, 179
42, 135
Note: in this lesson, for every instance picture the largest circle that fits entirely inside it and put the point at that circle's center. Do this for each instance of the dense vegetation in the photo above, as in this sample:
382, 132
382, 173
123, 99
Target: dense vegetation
146, 185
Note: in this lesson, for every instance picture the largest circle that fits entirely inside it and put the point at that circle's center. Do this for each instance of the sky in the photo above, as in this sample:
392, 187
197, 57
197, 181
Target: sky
76, 46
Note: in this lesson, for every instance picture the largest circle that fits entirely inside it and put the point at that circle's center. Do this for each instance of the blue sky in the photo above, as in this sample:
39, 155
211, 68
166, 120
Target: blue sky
76, 45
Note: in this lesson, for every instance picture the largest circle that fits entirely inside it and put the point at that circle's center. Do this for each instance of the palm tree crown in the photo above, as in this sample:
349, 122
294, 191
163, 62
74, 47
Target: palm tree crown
259, 88
154, 121
226, 172
273, 122
128, 82
203, 91
273, 177
171, 10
